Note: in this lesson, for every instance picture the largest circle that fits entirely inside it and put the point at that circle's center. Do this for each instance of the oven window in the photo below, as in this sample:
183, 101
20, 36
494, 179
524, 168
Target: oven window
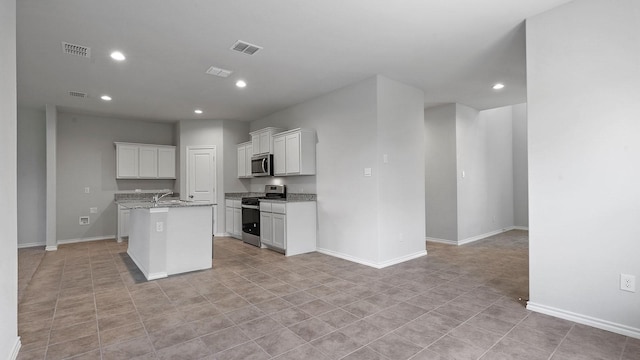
251, 221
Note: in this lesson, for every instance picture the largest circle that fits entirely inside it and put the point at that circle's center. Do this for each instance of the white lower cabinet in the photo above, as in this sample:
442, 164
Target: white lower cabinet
233, 218
123, 223
288, 227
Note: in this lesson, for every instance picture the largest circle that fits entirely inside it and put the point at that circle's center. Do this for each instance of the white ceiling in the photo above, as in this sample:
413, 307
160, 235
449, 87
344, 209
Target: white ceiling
453, 50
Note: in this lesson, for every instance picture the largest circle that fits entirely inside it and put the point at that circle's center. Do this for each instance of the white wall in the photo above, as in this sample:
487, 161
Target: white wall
583, 110
346, 122
484, 152
9, 341
520, 167
32, 190
86, 157
441, 185
401, 210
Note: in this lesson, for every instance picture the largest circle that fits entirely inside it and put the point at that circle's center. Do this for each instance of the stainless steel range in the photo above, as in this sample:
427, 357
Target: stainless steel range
251, 212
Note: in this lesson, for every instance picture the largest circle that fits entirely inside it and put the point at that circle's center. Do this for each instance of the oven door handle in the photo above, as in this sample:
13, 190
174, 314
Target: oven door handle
255, 207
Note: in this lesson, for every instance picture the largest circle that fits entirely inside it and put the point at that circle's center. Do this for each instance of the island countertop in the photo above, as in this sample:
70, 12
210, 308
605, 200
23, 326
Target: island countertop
174, 203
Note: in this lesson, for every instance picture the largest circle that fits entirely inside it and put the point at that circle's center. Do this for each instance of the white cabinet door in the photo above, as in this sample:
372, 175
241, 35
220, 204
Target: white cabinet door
237, 221
279, 155
167, 162
247, 162
279, 231
228, 220
242, 161
266, 231
265, 143
292, 153
127, 161
148, 165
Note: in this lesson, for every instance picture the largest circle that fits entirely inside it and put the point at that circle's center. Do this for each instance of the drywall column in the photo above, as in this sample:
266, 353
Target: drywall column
9, 340
520, 167
584, 203
52, 125
400, 148
441, 193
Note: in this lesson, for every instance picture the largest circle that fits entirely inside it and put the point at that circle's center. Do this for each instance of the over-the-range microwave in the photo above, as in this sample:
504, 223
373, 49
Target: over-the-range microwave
262, 165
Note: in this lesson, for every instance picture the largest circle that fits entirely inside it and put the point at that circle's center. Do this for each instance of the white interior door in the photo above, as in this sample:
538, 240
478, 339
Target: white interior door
201, 173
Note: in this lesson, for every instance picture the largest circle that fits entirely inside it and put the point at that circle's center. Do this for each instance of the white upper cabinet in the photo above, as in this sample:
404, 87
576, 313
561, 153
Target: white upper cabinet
262, 140
167, 162
127, 161
145, 161
245, 151
295, 152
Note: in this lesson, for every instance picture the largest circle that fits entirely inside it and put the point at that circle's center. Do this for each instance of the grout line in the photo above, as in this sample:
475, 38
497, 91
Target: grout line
561, 341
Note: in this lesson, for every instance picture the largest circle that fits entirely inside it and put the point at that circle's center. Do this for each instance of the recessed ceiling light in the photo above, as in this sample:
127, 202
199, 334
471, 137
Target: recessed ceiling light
197, 111
241, 83
105, 97
498, 86
118, 56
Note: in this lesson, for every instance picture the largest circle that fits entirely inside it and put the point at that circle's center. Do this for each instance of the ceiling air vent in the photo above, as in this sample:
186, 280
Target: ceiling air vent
77, 50
245, 47
78, 94
219, 72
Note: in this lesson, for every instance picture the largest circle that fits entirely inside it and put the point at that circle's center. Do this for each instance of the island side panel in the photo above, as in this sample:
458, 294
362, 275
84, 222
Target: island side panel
147, 241
301, 227
189, 240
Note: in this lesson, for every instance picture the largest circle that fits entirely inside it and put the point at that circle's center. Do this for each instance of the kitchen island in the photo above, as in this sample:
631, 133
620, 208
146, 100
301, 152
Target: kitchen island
170, 237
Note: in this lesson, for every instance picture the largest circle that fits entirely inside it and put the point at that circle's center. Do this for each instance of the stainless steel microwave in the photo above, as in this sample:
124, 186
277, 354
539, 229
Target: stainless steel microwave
262, 165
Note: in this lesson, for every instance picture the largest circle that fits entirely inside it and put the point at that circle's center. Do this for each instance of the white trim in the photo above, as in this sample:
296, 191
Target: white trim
94, 238
525, 228
16, 349
474, 238
51, 248
585, 319
442, 241
222, 235
27, 245
369, 263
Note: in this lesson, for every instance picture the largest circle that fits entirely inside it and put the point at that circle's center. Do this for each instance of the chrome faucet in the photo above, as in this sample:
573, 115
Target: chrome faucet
157, 197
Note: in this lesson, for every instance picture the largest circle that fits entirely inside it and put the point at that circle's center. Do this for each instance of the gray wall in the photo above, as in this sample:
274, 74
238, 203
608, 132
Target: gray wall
584, 111
8, 154
520, 167
441, 185
86, 157
32, 165
492, 156
348, 123
234, 133
484, 152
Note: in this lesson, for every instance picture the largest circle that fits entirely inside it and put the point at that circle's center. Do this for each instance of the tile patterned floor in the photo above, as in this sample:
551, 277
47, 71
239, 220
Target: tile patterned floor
89, 301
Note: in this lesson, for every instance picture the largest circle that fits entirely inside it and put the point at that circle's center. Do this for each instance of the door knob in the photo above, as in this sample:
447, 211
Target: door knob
190, 196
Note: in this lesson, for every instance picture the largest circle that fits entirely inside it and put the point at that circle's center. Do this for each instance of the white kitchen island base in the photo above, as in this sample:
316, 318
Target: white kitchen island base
170, 240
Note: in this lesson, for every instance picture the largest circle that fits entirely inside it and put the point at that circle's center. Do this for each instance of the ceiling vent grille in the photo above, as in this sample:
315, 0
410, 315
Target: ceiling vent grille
77, 50
219, 72
246, 48
78, 94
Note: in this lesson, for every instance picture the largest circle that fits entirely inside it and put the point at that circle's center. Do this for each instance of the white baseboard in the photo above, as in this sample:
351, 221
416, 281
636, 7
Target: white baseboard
51, 248
474, 238
28, 245
370, 263
525, 228
95, 238
16, 349
585, 320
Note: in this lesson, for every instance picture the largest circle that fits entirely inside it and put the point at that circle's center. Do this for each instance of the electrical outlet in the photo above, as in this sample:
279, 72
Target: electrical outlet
627, 282
93, 210
159, 226
87, 190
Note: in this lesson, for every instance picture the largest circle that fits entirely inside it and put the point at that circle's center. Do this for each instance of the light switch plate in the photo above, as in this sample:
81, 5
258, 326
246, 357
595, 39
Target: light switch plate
367, 171
93, 210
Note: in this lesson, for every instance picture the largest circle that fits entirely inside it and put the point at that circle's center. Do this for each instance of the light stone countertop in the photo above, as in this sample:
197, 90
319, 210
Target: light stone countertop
171, 203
